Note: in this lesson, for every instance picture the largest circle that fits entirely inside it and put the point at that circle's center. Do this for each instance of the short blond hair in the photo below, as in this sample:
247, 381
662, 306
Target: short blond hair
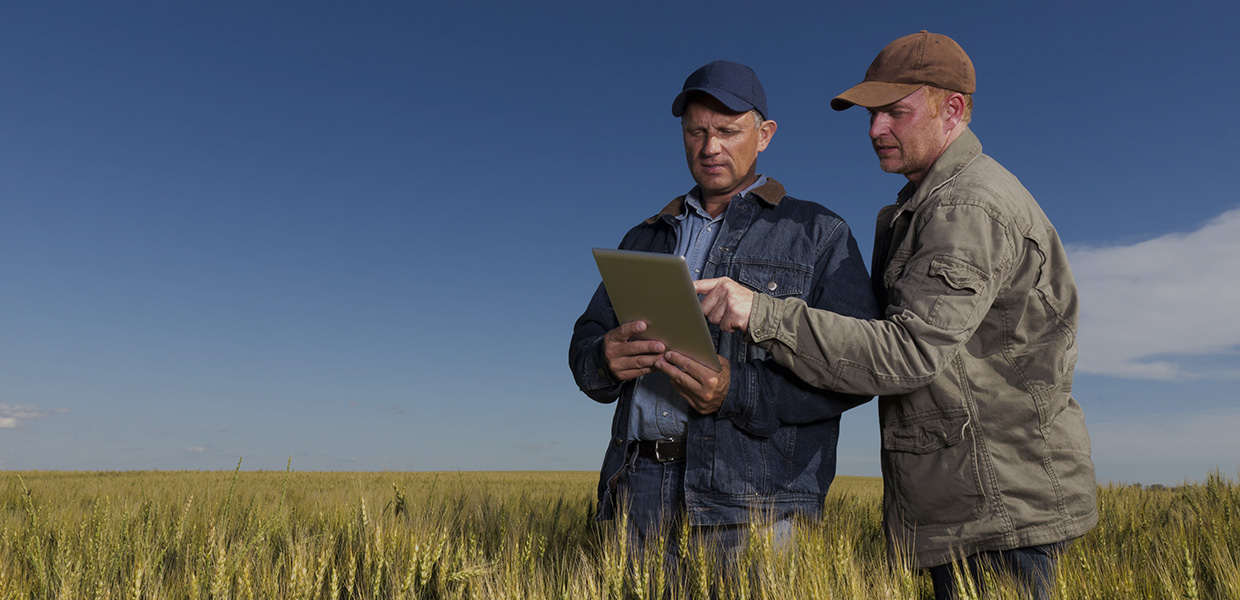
935, 97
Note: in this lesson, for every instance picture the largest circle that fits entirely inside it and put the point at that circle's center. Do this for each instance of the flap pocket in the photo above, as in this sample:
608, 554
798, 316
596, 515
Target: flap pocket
958, 274
924, 437
778, 280
935, 478
955, 287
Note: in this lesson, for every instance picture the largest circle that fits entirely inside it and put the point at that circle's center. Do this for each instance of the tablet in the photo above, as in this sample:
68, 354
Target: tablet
656, 288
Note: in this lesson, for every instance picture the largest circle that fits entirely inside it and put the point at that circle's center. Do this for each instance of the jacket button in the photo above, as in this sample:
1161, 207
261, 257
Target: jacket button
771, 286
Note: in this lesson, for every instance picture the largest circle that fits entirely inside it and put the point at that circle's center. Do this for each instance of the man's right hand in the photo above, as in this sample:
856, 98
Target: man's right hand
628, 358
725, 303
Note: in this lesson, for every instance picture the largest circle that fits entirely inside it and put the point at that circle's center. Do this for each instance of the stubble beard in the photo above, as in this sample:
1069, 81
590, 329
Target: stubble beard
900, 164
894, 164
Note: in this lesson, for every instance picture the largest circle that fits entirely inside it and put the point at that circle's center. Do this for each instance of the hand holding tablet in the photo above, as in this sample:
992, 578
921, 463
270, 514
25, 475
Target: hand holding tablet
656, 288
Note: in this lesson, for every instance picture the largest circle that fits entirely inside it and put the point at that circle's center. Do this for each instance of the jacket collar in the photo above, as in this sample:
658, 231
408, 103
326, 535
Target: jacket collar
963, 151
771, 192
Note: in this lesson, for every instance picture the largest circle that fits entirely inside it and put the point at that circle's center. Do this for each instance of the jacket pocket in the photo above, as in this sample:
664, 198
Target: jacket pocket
934, 468
748, 465
959, 288
775, 279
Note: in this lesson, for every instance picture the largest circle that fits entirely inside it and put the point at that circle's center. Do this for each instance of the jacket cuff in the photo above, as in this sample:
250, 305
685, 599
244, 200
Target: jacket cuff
766, 321
596, 375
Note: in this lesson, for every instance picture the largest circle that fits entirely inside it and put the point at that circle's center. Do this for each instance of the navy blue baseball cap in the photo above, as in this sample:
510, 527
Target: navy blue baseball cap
733, 84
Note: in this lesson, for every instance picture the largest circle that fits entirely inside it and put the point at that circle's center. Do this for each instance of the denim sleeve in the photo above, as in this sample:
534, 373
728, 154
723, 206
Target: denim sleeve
764, 395
585, 351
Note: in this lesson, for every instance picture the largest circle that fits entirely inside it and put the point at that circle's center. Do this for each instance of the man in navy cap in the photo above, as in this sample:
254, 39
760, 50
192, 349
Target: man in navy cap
719, 449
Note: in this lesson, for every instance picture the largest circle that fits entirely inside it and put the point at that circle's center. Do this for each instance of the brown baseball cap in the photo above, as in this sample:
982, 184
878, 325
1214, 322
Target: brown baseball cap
907, 64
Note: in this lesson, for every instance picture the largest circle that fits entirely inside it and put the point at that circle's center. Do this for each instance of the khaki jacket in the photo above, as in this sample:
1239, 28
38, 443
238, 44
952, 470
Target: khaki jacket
984, 447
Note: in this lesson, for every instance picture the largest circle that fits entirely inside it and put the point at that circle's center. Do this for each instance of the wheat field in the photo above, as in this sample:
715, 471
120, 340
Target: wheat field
495, 535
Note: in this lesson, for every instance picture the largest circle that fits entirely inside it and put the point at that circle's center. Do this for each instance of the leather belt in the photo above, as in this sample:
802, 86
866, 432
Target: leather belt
661, 450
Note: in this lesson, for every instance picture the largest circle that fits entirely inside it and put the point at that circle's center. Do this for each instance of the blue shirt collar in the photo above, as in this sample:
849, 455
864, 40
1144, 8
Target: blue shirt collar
694, 202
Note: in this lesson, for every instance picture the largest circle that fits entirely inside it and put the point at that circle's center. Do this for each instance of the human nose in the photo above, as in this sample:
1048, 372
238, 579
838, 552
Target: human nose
711, 145
878, 125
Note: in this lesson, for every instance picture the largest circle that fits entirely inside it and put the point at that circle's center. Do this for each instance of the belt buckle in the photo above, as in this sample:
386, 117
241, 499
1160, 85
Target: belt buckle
658, 455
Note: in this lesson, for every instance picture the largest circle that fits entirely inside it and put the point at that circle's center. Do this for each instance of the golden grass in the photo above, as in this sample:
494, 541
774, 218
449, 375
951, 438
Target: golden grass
216, 535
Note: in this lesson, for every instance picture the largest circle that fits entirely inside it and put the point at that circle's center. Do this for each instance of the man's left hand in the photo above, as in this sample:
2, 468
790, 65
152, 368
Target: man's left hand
702, 387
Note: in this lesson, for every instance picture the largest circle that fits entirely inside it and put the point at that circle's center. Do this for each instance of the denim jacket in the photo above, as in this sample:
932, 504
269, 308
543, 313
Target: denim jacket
771, 446
984, 447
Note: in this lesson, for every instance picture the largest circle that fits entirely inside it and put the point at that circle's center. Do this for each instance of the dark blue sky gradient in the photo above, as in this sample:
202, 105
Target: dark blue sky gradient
359, 236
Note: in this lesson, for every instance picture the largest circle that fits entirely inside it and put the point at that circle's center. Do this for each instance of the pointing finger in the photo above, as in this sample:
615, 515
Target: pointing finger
704, 286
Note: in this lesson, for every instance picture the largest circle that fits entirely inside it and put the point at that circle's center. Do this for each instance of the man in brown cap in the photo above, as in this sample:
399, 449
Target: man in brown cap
986, 458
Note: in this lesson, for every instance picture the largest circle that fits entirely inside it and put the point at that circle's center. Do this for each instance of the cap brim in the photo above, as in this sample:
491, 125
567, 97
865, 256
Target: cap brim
872, 94
728, 99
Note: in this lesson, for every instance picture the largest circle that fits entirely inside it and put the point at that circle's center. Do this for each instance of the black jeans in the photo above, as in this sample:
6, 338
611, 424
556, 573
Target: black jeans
1033, 568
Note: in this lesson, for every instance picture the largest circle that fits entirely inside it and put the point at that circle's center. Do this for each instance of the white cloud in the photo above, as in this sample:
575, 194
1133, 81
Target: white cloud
12, 417
1164, 309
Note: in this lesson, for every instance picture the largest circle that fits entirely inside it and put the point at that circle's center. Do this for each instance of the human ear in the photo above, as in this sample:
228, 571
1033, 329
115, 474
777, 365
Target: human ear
765, 133
953, 109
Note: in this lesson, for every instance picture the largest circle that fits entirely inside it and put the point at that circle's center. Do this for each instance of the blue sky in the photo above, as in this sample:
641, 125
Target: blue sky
358, 234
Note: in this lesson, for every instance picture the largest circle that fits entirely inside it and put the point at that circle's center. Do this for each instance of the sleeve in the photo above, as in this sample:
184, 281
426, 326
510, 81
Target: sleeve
585, 351
765, 395
938, 298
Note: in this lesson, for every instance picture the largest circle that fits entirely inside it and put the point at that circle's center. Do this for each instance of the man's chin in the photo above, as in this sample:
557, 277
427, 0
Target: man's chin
711, 184
891, 166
